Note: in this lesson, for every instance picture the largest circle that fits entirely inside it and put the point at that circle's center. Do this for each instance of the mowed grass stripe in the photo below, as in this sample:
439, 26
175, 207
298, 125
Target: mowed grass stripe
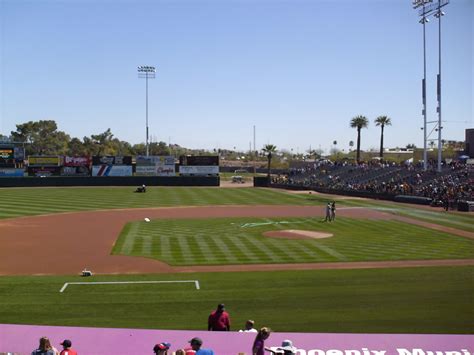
128, 236
261, 250
240, 240
224, 250
186, 251
164, 246
247, 254
205, 249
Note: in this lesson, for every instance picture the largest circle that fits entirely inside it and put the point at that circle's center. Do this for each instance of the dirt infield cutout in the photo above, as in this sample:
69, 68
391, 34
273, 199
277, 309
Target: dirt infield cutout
297, 234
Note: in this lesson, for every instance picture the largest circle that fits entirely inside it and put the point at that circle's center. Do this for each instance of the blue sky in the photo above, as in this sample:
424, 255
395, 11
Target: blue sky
297, 70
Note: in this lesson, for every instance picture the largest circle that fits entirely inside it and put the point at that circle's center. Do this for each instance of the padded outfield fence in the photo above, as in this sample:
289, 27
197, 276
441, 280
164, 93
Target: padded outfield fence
59, 181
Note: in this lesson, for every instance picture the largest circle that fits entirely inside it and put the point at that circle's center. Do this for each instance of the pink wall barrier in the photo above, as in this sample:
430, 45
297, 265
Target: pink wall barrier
23, 339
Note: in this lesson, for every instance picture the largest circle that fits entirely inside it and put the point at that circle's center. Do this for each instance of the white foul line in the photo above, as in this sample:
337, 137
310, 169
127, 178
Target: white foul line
196, 283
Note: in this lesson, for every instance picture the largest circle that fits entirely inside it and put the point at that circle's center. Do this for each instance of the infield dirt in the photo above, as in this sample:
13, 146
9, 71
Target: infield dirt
66, 243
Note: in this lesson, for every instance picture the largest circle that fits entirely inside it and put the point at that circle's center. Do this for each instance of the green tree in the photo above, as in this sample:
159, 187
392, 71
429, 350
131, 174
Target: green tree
76, 148
41, 137
118, 147
359, 122
101, 144
159, 148
382, 121
269, 150
139, 149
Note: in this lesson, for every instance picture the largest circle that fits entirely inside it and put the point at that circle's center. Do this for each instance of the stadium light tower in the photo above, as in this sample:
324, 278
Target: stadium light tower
147, 72
423, 21
429, 8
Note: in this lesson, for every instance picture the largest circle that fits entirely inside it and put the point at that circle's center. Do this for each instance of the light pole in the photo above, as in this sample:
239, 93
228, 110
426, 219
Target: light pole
423, 21
147, 72
439, 14
424, 12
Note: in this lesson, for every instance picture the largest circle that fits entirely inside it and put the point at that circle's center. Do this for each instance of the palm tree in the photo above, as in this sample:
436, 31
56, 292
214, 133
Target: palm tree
269, 149
382, 121
359, 122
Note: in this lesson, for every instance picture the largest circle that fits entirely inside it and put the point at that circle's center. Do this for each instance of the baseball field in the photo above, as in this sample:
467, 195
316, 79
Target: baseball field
267, 254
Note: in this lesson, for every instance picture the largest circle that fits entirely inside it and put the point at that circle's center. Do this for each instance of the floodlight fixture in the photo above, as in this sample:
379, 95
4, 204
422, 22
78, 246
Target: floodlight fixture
417, 3
147, 72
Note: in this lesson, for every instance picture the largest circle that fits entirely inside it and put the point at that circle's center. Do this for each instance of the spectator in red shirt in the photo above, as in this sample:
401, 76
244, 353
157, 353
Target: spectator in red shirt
219, 319
67, 348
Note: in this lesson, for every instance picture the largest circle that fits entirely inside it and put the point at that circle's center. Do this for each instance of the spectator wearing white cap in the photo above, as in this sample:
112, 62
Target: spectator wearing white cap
286, 348
249, 327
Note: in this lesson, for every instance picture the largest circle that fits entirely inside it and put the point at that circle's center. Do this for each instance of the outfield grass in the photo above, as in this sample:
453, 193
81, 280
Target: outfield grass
16, 202
415, 300
459, 220
240, 241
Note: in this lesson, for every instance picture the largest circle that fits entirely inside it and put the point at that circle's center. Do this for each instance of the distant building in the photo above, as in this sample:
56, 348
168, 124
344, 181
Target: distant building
470, 142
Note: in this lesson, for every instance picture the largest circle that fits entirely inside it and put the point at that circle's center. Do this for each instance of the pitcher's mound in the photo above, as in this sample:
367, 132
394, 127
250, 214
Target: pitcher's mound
297, 234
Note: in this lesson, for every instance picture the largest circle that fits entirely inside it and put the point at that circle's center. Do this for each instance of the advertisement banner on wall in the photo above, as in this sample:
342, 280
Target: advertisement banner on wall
165, 170
44, 160
145, 170
165, 166
7, 158
77, 161
112, 160
75, 171
154, 159
200, 160
112, 170
155, 170
11, 172
13, 337
7, 153
198, 170
155, 165
44, 171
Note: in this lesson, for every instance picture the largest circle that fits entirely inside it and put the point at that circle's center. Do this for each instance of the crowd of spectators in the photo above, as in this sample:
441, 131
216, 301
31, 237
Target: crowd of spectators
218, 320
455, 181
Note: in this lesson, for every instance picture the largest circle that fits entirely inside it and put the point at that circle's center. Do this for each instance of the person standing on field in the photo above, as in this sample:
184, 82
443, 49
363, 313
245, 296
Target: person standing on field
219, 319
328, 212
